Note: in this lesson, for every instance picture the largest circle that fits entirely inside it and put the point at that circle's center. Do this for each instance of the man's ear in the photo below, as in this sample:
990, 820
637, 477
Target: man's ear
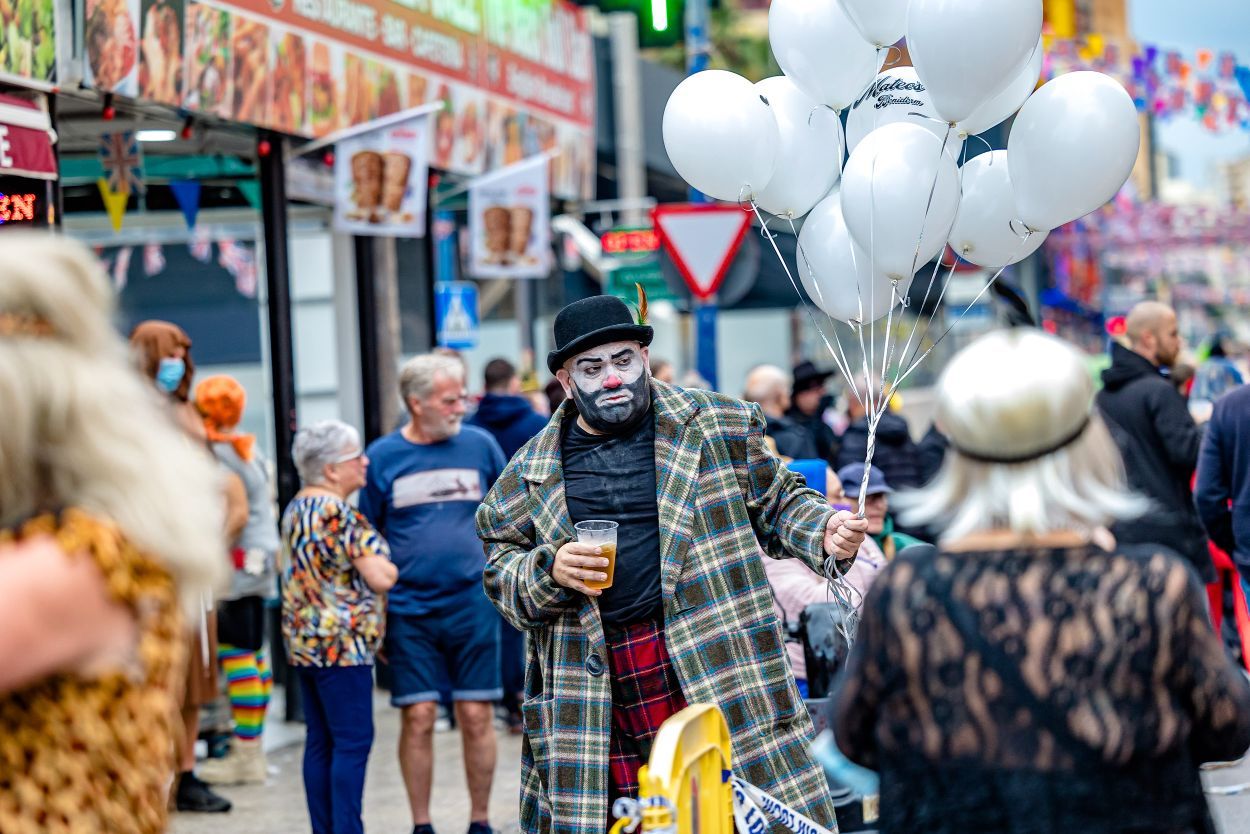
646, 358
566, 382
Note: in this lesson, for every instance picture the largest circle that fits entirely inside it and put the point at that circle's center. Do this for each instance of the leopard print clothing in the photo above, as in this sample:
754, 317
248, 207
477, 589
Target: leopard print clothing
87, 756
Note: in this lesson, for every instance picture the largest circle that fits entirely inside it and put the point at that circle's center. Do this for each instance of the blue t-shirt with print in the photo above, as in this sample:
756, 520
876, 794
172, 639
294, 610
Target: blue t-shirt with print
423, 498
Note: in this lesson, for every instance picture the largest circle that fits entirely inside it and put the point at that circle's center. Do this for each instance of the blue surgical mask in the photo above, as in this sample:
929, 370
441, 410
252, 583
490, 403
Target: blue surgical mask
169, 375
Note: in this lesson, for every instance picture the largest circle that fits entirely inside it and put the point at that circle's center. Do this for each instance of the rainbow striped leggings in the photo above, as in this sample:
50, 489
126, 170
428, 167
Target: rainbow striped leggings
249, 681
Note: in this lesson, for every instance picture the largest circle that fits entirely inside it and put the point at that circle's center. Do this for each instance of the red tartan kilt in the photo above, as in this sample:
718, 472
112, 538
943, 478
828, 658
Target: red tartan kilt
645, 692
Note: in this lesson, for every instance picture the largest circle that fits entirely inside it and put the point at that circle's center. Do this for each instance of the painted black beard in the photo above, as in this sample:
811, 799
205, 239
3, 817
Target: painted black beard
615, 419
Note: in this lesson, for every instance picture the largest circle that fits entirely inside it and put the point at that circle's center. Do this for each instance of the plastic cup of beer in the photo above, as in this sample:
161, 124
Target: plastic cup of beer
603, 534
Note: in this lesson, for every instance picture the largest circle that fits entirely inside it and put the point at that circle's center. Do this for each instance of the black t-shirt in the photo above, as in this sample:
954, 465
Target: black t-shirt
612, 478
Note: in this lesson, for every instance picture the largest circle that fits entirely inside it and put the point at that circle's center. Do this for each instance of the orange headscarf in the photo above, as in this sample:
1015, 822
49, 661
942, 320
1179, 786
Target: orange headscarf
220, 400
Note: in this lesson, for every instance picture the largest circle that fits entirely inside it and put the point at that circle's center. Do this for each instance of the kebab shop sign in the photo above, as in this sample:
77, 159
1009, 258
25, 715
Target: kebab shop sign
381, 178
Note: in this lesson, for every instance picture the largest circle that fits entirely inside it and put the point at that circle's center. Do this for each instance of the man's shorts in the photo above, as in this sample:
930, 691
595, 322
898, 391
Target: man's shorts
458, 644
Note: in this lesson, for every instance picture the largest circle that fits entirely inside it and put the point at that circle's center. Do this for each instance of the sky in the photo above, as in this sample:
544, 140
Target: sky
1190, 25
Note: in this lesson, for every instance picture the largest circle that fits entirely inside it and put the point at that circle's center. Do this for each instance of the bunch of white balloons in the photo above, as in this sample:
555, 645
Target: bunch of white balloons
902, 197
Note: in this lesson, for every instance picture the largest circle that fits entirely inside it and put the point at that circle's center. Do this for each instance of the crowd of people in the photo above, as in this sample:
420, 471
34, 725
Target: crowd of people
1037, 650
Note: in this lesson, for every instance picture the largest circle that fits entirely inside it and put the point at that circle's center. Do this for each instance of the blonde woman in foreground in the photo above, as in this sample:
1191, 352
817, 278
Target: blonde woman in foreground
1021, 678
108, 519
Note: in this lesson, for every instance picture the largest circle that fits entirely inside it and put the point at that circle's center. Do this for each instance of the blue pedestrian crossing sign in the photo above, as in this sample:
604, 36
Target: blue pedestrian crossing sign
455, 314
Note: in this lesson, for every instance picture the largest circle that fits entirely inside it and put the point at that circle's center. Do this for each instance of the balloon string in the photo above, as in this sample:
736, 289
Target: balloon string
1024, 243
844, 365
768, 234
937, 305
915, 257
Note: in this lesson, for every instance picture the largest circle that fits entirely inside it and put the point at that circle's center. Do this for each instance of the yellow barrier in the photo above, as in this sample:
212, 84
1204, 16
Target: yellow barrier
685, 788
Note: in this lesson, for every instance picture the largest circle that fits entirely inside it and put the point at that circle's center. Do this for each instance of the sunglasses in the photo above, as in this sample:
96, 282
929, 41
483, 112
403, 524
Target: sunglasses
348, 458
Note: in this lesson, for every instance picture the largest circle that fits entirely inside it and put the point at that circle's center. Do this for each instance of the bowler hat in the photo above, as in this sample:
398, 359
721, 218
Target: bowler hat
591, 322
807, 376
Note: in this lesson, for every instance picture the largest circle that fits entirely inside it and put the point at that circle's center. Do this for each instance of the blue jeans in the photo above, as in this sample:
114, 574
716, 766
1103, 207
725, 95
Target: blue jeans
338, 708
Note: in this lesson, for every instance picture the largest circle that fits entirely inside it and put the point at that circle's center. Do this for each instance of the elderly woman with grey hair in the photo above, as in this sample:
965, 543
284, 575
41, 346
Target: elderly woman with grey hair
1022, 676
337, 569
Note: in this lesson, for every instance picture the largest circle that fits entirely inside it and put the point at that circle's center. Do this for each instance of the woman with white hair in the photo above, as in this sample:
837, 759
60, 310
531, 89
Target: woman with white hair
108, 517
333, 619
1021, 677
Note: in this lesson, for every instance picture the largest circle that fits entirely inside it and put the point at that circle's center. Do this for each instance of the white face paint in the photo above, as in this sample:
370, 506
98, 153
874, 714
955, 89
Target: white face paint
609, 384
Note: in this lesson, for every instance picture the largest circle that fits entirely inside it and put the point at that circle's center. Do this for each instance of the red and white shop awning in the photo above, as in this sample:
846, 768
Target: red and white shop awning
26, 138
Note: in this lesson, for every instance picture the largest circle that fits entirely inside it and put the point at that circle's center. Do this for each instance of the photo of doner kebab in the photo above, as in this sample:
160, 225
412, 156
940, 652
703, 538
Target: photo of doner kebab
250, 46
379, 184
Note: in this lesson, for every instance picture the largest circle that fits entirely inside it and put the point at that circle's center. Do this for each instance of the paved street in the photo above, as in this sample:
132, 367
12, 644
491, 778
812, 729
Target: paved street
278, 807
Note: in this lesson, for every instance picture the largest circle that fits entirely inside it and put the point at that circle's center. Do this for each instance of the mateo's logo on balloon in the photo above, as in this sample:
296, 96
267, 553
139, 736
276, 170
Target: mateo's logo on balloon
890, 84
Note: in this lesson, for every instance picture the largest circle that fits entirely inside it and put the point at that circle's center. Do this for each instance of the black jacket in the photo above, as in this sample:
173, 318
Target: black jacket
510, 419
821, 432
896, 455
793, 441
1223, 493
1159, 443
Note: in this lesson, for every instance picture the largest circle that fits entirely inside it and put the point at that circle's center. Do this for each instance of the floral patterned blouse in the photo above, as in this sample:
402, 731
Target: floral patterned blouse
330, 616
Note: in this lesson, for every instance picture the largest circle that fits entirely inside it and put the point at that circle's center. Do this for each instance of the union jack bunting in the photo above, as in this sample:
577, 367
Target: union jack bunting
201, 246
240, 262
122, 160
153, 260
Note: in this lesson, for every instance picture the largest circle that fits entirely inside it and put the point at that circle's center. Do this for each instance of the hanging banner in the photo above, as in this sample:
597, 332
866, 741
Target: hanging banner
512, 79
381, 179
510, 222
114, 203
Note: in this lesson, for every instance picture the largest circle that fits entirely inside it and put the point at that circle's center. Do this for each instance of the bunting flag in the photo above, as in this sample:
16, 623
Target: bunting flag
187, 193
114, 203
251, 192
122, 160
153, 259
121, 267
240, 262
1209, 87
201, 246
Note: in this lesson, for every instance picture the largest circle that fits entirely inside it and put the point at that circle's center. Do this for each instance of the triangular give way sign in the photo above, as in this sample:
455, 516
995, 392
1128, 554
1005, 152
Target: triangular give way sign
702, 240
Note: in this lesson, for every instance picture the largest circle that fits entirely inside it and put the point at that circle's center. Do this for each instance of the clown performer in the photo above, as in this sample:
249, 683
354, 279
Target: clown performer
688, 618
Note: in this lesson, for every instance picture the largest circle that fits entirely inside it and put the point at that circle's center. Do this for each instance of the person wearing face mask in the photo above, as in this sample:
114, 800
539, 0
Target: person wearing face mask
424, 484
162, 352
689, 617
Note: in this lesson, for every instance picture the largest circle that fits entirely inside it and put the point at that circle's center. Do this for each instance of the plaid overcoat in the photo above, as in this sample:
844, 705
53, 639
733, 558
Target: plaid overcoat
721, 496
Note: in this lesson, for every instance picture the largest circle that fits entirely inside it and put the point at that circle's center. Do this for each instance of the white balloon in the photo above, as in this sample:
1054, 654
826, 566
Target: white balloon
809, 154
881, 22
886, 200
822, 52
968, 51
720, 135
897, 95
836, 272
1072, 147
987, 231
1002, 106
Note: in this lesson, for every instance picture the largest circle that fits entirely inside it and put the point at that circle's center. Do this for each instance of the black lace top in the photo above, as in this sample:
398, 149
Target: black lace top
1039, 691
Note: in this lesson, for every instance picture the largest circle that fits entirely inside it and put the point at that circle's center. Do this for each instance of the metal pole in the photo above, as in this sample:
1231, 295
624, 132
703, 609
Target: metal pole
523, 290
367, 320
698, 54
273, 212
631, 165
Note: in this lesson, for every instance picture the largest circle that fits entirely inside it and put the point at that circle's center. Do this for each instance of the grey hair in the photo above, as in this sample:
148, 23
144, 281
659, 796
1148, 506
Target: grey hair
1014, 393
764, 382
416, 378
319, 445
